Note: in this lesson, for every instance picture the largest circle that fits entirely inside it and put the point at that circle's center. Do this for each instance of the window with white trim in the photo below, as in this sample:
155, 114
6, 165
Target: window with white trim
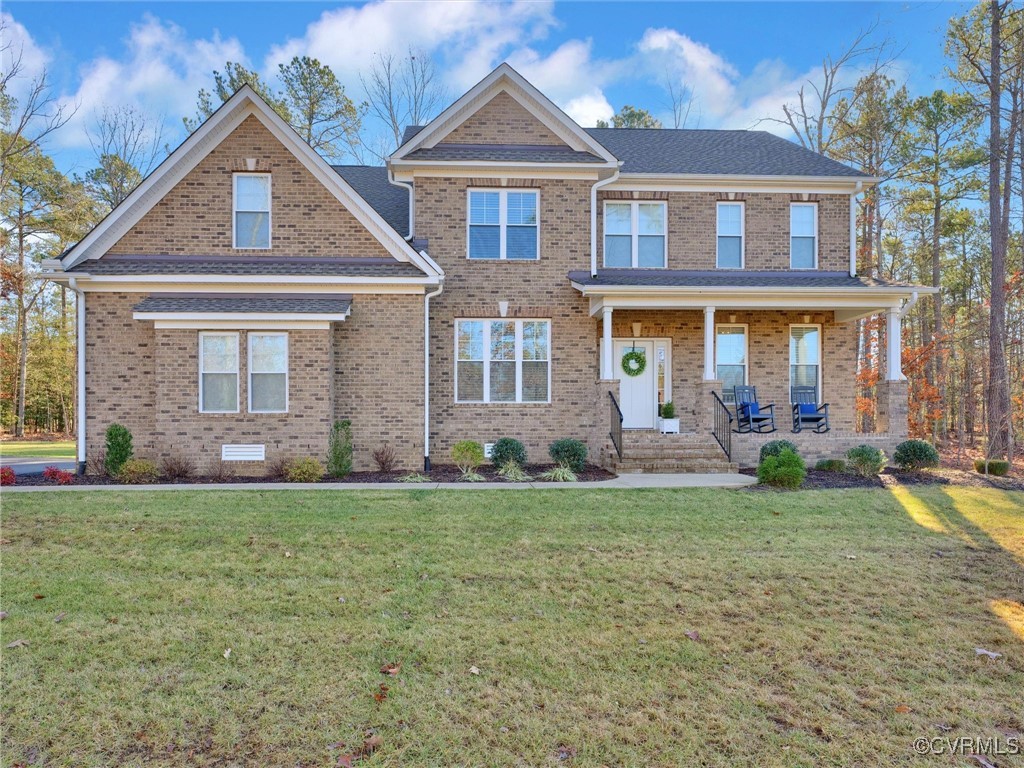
634, 234
218, 372
502, 224
502, 361
803, 235
731, 358
268, 373
805, 357
730, 235
251, 210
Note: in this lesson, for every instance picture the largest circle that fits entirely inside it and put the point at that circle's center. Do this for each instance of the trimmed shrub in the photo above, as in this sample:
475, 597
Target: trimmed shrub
178, 467
414, 477
385, 458
997, 467
514, 473
307, 470
668, 410
569, 453
339, 449
468, 455
915, 454
831, 465
775, 447
119, 448
506, 450
559, 474
7, 476
785, 470
137, 471
277, 467
865, 460
59, 476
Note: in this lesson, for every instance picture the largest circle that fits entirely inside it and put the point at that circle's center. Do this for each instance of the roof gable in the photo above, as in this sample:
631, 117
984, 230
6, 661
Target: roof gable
243, 105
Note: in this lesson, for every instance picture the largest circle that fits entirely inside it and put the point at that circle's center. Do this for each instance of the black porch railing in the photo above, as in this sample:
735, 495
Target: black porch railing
616, 424
723, 426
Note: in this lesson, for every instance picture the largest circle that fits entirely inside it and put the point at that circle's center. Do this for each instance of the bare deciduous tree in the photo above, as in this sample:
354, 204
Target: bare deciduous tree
127, 145
681, 101
402, 91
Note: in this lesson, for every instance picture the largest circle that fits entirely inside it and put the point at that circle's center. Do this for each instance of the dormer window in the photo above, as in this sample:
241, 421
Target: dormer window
634, 234
252, 210
502, 224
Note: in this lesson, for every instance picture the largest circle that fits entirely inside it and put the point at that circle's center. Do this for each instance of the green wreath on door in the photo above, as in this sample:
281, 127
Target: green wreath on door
634, 362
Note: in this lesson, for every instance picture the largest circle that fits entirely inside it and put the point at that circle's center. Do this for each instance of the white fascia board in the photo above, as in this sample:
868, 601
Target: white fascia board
283, 317
901, 291
243, 284
588, 172
686, 182
504, 78
242, 325
505, 164
861, 306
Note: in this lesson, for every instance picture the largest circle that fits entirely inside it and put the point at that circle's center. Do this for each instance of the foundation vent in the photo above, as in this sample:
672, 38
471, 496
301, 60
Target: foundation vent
243, 453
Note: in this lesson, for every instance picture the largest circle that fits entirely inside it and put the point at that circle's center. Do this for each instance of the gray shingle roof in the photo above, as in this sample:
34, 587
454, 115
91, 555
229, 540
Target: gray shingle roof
504, 153
387, 199
687, 151
685, 278
230, 265
304, 304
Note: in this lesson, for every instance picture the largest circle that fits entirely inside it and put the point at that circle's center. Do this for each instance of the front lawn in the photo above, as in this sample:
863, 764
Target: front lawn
47, 449
654, 628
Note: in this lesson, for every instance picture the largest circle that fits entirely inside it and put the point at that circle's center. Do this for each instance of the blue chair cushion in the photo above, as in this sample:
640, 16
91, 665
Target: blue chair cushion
752, 409
808, 409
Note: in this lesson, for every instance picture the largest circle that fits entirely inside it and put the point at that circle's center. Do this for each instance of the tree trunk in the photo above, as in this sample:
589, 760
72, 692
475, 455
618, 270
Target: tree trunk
937, 366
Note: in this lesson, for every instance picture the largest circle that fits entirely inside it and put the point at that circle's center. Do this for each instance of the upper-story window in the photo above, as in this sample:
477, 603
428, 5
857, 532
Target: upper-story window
503, 224
730, 235
252, 210
803, 235
634, 234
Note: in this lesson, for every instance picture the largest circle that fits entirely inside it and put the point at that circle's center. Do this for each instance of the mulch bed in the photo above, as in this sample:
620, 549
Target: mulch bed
819, 480
442, 473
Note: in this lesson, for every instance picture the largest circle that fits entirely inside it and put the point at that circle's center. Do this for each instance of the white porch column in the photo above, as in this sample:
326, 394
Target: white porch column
709, 343
606, 345
893, 345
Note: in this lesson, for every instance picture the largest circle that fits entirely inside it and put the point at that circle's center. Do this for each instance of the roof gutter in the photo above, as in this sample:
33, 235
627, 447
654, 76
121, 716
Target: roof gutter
412, 200
593, 217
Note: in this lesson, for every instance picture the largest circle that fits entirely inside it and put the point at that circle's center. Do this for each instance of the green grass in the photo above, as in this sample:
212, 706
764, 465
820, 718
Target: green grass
821, 616
57, 449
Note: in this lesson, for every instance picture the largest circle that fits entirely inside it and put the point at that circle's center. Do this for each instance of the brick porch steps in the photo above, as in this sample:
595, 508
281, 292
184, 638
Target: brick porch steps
647, 451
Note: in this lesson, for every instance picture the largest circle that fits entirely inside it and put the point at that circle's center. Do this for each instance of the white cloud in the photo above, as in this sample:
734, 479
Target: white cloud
589, 108
19, 47
694, 65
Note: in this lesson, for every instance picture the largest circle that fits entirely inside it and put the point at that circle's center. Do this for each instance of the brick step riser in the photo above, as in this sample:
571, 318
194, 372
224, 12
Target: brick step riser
683, 469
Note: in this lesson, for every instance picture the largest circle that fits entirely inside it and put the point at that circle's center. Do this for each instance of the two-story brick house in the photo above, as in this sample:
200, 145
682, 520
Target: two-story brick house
493, 280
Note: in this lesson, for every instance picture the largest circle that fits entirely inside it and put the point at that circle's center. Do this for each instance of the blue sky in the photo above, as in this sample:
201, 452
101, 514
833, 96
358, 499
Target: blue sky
744, 60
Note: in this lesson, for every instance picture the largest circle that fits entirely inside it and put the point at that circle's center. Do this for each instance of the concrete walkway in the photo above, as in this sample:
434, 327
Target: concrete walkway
620, 482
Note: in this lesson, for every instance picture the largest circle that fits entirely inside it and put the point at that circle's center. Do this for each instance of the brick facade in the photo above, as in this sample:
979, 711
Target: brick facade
194, 218
502, 121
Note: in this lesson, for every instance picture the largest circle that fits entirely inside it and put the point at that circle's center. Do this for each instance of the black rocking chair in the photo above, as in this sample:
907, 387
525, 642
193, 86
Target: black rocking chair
807, 413
751, 416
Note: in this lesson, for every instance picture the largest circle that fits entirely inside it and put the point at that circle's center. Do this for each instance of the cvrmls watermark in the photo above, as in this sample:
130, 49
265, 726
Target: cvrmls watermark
994, 746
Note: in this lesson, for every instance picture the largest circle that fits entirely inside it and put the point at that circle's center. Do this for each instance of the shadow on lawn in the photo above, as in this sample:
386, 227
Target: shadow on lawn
992, 530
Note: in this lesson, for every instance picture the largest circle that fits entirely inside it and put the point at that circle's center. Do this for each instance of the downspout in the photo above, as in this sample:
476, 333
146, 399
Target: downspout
80, 354
412, 201
426, 375
593, 217
908, 305
853, 228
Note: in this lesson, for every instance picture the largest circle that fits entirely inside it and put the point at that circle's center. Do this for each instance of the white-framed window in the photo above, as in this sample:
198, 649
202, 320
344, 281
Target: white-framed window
218, 372
503, 224
805, 357
730, 235
731, 365
635, 233
803, 235
502, 361
251, 211
268, 372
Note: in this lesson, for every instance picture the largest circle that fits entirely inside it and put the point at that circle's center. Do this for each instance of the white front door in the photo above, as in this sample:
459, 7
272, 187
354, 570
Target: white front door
637, 394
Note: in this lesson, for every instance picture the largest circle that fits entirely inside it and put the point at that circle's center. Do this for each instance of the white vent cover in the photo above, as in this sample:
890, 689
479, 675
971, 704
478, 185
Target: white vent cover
243, 453
489, 447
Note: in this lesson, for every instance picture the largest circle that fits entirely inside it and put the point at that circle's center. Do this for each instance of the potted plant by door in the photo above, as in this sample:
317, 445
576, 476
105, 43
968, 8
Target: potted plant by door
668, 423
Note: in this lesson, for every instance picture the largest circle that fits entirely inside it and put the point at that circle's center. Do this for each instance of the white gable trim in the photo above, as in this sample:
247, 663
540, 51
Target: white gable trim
185, 158
505, 79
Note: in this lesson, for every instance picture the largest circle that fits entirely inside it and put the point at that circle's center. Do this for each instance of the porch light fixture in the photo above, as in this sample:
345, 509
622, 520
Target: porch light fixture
636, 329
503, 308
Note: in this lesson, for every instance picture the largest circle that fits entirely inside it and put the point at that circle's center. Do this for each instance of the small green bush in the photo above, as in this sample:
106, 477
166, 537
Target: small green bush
339, 449
831, 465
119, 448
997, 467
668, 410
307, 470
514, 473
915, 454
569, 453
414, 477
467, 455
784, 470
775, 447
508, 449
137, 471
559, 474
865, 460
